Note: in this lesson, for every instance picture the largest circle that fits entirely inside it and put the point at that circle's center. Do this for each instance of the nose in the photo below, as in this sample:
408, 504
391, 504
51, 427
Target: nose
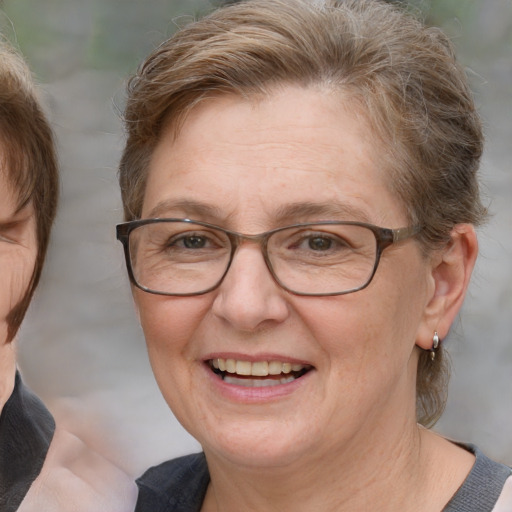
248, 297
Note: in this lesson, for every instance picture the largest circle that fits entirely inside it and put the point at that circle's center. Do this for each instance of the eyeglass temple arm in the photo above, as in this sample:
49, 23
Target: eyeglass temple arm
403, 233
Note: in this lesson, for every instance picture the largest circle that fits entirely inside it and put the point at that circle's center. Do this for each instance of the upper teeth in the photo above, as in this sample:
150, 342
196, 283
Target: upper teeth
256, 369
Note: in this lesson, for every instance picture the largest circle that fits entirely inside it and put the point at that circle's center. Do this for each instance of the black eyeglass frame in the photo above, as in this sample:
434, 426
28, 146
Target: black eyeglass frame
384, 237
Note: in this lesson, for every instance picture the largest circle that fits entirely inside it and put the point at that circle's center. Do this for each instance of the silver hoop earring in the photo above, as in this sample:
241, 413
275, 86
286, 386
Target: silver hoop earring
435, 344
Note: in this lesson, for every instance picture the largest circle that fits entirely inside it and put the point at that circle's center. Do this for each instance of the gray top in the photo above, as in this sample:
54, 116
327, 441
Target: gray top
482, 487
180, 485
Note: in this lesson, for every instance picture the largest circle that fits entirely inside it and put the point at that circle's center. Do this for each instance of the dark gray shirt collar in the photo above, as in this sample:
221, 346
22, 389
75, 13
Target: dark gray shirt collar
26, 431
180, 485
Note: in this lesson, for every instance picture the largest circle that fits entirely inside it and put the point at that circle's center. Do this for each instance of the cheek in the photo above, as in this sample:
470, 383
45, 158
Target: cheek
344, 325
170, 326
169, 323
15, 272
16, 269
369, 330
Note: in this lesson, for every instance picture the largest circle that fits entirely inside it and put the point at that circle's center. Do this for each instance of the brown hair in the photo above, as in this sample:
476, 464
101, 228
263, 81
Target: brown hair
28, 160
402, 75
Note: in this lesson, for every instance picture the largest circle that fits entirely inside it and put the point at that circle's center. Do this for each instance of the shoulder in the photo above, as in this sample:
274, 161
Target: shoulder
487, 488
179, 484
76, 478
45, 468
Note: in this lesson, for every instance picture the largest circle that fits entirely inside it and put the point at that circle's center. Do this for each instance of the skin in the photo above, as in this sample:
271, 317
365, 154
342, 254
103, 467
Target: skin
346, 429
18, 250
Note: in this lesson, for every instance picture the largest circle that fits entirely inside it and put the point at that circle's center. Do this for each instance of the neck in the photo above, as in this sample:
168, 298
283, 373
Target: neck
377, 468
7, 371
419, 472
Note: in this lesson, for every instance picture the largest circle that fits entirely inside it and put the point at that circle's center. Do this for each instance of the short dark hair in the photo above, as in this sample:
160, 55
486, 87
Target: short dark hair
27, 159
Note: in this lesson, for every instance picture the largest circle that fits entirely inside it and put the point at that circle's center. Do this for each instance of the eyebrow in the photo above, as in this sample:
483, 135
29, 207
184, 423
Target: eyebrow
295, 212
290, 213
188, 208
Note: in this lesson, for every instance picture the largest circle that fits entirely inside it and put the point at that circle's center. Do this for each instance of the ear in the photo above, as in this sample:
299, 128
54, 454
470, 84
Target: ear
450, 274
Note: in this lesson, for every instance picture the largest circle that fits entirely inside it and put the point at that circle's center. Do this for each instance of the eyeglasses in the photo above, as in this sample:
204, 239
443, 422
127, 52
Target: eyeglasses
184, 257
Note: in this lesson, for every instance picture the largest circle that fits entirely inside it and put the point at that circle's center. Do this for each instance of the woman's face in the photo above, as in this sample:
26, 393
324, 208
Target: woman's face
298, 155
18, 250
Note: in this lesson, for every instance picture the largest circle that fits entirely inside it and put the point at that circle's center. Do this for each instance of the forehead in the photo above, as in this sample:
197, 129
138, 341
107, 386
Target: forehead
294, 146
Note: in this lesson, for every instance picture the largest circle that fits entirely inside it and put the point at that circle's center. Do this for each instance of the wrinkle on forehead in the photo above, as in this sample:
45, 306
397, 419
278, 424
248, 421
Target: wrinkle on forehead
234, 154
285, 213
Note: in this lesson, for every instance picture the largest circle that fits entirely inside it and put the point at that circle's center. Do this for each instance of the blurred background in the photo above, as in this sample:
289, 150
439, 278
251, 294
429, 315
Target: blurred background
81, 348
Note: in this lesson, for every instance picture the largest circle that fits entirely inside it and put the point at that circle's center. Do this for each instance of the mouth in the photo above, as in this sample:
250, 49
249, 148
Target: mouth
257, 373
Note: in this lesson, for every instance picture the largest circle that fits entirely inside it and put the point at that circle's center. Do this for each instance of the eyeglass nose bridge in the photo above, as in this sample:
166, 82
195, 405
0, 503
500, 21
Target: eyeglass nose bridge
236, 240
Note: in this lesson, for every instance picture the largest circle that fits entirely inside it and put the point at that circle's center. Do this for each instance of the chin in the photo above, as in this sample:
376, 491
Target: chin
258, 446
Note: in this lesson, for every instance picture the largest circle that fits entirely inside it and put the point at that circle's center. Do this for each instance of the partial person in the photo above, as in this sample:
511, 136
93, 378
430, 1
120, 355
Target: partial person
300, 191
42, 468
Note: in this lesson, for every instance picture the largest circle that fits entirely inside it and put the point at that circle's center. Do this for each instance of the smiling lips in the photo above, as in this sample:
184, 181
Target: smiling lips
258, 373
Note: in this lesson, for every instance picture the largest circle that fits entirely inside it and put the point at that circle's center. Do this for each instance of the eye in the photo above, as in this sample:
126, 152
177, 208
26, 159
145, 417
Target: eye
10, 231
193, 242
319, 243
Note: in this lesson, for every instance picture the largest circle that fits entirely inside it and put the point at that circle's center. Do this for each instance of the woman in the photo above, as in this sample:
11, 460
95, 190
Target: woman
299, 185
29, 190
42, 467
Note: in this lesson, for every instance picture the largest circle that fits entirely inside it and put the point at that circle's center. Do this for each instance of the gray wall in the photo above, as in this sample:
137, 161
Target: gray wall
81, 347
